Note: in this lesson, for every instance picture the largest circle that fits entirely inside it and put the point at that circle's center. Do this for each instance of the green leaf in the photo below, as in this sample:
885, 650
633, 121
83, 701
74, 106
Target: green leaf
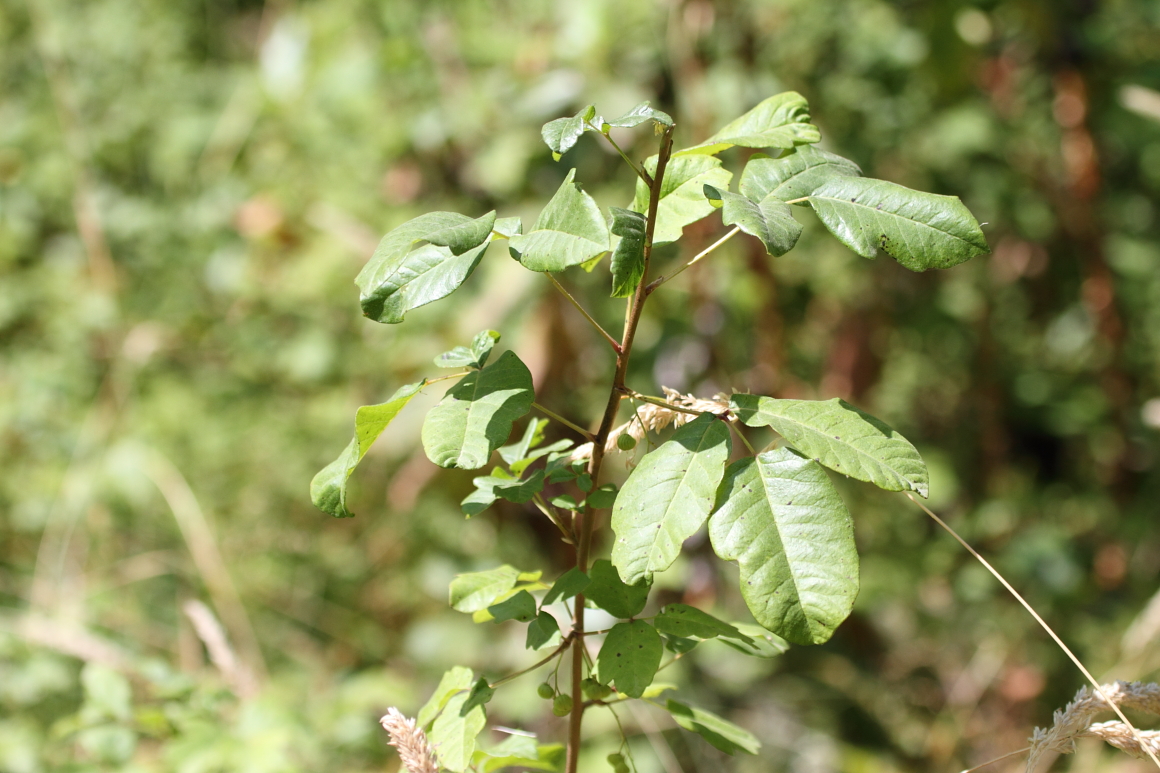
552, 448
611, 594
533, 436
779, 516
453, 736
474, 357
628, 258
478, 590
489, 488
507, 227
720, 732
629, 657
568, 585
841, 437
798, 173
541, 630
668, 497
400, 277
521, 607
769, 220
639, 115
682, 193
919, 230
328, 489
569, 231
765, 644
480, 694
566, 502
684, 621
679, 645
521, 751
475, 416
603, 497
457, 680
561, 134
781, 121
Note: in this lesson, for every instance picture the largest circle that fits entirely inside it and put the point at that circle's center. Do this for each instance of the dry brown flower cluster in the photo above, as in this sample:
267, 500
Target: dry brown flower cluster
410, 741
650, 417
1075, 721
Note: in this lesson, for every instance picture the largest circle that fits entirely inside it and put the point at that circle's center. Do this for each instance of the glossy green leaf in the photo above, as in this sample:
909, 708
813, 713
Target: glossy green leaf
682, 193
521, 607
685, 621
454, 681
639, 115
611, 594
629, 657
561, 134
794, 175
769, 220
628, 257
569, 231
453, 734
568, 585
841, 437
478, 590
541, 630
781, 121
475, 416
668, 497
721, 733
489, 488
328, 489
919, 230
400, 277
474, 356
779, 516
481, 693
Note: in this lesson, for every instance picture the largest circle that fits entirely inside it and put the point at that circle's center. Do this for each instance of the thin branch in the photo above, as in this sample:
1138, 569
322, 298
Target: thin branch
639, 171
1041, 621
612, 341
658, 401
546, 509
555, 653
741, 436
585, 433
662, 279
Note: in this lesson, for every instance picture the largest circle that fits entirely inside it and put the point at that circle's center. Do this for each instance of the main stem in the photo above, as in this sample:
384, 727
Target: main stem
582, 523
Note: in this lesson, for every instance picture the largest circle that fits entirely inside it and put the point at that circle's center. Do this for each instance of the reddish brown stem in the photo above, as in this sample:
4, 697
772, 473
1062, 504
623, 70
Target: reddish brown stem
582, 524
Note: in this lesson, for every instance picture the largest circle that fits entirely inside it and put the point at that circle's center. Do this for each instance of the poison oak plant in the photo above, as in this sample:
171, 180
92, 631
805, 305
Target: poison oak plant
776, 513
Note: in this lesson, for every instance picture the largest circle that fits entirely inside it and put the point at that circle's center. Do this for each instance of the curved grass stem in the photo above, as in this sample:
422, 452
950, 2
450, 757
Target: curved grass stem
1031, 610
662, 279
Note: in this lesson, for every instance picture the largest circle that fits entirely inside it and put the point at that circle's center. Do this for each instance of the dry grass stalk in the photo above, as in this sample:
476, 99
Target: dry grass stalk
221, 654
650, 417
410, 741
1075, 721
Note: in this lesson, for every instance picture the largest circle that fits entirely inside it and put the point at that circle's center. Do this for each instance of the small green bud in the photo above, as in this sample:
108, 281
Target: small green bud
562, 705
626, 442
546, 691
616, 760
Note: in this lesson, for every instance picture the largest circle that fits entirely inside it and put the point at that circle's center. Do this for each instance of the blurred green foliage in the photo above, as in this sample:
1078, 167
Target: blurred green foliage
187, 190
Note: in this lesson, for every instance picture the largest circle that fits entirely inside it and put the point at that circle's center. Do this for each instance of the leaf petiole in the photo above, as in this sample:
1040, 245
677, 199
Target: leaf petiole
612, 341
640, 172
551, 415
662, 279
555, 653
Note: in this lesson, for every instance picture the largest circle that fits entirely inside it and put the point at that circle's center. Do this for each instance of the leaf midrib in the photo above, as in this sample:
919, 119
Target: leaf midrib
858, 451
856, 204
673, 499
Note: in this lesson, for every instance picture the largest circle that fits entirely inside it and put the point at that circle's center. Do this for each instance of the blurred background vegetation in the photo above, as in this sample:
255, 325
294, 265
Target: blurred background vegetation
187, 189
